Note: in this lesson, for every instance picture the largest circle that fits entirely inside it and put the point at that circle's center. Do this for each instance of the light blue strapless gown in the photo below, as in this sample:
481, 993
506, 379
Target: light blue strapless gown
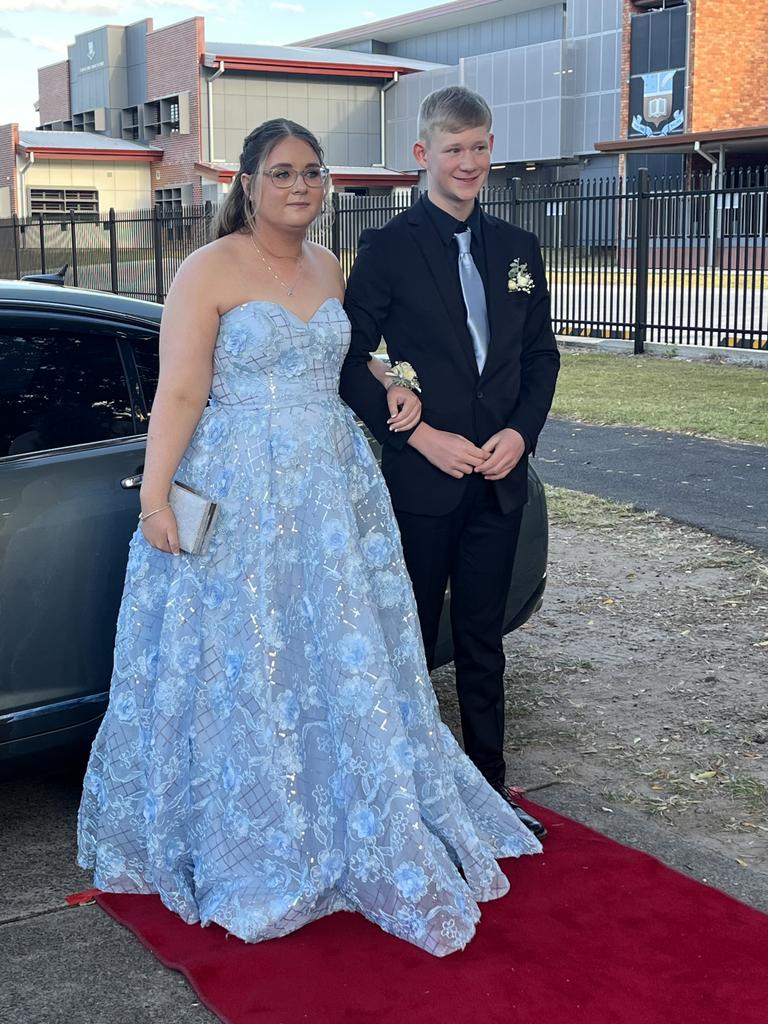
273, 750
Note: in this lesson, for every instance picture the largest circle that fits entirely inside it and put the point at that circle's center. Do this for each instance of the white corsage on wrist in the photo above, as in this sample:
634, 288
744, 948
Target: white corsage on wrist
404, 376
520, 279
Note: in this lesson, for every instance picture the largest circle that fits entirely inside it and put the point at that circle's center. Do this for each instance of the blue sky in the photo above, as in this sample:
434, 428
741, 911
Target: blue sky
34, 33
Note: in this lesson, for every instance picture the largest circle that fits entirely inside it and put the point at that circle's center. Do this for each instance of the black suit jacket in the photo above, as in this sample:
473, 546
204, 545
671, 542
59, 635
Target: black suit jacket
398, 289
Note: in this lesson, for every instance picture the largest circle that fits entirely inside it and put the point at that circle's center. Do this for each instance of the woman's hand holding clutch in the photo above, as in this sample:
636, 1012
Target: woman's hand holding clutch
160, 530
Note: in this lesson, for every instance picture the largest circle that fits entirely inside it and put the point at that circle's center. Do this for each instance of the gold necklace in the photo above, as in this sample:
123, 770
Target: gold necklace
289, 288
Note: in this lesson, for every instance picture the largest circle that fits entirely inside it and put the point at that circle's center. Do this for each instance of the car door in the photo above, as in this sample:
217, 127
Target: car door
72, 430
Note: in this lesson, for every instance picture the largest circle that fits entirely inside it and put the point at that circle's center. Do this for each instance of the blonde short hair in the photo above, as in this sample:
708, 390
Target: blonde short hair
453, 109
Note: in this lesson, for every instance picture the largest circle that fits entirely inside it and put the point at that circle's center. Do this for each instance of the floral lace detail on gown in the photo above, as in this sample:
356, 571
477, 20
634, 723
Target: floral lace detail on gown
273, 751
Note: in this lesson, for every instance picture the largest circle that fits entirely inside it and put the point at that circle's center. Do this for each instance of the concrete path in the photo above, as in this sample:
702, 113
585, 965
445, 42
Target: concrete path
719, 486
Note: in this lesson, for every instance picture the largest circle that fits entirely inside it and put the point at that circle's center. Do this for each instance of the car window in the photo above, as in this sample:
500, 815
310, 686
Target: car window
145, 352
60, 388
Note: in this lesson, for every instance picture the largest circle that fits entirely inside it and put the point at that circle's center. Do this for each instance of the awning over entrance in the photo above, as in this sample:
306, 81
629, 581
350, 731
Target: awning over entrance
731, 140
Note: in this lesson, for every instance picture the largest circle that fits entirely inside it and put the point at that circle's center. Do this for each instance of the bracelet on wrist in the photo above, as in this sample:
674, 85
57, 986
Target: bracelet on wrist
143, 516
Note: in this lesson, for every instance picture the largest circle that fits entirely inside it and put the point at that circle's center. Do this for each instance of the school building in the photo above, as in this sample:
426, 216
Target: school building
579, 89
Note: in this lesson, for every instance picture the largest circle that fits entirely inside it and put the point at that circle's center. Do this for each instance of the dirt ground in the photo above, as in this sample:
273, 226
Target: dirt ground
644, 677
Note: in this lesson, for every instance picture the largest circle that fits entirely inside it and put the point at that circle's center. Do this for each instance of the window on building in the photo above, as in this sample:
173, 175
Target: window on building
130, 125
60, 388
655, 5
85, 121
168, 200
170, 115
173, 116
170, 204
55, 126
57, 203
152, 118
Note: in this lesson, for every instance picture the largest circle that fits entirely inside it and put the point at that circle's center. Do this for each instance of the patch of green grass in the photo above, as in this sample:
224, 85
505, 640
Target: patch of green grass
712, 399
753, 793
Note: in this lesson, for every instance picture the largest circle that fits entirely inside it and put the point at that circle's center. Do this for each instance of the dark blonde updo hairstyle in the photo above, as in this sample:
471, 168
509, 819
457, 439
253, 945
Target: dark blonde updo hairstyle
237, 211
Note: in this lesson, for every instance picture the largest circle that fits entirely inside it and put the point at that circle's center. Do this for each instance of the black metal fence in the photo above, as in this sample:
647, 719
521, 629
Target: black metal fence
670, 260
677, 261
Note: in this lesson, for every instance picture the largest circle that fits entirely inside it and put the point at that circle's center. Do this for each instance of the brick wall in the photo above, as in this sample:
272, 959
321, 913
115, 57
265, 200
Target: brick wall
628, 10
728, 65
173, 66
9, 138
53, 90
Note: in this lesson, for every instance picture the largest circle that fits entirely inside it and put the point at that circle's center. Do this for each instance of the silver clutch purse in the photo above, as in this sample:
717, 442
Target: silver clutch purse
196, 517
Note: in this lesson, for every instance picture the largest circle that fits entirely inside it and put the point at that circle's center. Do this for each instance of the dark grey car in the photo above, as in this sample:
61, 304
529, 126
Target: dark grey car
78, 371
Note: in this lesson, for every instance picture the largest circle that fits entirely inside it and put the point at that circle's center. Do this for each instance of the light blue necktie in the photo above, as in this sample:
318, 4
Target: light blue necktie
474, 299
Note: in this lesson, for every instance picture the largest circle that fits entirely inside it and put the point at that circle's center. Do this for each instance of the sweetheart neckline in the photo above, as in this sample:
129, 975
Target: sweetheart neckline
279, 305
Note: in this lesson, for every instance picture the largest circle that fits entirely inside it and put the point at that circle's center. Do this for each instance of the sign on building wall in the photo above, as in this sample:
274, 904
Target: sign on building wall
94, 59
657, 103
657, 63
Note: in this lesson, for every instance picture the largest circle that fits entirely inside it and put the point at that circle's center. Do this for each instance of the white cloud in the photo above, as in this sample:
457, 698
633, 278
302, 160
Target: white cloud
98, 8
57, 46
62, 6
369, 16
294, 8
192, 6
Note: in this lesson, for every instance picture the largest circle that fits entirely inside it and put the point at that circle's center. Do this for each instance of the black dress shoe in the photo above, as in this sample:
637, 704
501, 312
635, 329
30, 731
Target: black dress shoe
531, 823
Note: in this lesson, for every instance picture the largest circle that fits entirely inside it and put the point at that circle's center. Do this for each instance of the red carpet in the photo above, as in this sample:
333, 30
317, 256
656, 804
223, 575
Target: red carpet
591, 933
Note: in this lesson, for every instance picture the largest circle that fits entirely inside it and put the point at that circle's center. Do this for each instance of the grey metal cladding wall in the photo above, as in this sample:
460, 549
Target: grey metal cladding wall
524, 87
89, 71
594, 77
587, 17
118, 74
402, 103
136, 61
447, 47
344, 114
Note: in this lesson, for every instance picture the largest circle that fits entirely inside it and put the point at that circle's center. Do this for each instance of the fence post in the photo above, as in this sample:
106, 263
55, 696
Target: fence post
641, 259
157, 245
73, 234
16, 254
43, 268
415, 193
113, 248
514, 200
335, 226
715, 215
208, 219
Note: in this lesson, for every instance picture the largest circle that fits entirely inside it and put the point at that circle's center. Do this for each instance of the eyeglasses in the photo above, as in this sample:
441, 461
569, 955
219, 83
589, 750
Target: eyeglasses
286, 177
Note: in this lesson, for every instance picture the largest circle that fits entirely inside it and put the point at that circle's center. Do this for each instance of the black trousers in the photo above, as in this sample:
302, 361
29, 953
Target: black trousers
473, 547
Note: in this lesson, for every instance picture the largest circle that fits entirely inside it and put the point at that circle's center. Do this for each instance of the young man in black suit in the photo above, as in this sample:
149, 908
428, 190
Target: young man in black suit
462, 297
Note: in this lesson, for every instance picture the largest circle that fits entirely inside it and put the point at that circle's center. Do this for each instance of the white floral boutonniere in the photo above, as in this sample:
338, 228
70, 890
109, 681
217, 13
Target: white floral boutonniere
520, 279
404, 376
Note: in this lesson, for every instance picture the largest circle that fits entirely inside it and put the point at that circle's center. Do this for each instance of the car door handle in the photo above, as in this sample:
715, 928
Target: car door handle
129, 483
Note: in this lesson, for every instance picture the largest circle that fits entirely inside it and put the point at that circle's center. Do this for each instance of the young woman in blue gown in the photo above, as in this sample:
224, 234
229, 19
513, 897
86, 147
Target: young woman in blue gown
273, 751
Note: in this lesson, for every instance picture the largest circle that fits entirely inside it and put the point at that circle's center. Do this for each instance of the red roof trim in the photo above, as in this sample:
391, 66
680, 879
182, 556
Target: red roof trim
112, 155
307, 67
221, 174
